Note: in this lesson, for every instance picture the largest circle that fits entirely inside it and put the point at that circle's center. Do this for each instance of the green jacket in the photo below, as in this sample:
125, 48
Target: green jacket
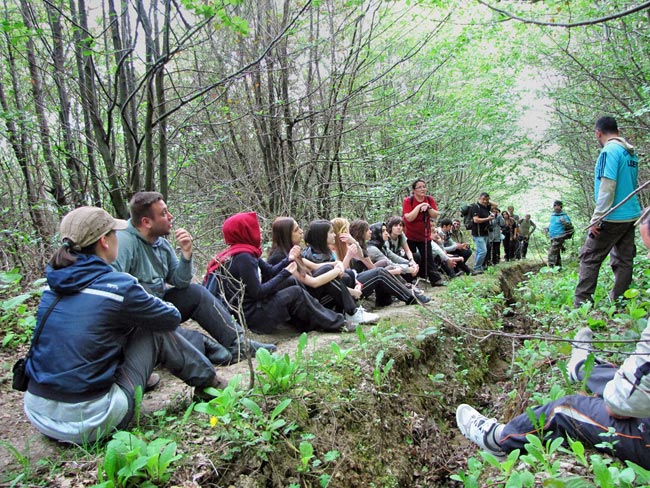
154, 265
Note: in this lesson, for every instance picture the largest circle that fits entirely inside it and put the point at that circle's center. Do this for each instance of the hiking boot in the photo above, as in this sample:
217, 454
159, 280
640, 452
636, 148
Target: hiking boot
479, 429
581, 349
241, 351
418, 299
215, 352
362, 316
152, 382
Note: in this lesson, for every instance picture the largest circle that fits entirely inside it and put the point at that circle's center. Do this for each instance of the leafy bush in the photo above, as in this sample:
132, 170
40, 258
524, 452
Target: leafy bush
18, 318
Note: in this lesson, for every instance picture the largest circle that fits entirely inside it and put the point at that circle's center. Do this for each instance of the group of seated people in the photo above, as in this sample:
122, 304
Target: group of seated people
118, 293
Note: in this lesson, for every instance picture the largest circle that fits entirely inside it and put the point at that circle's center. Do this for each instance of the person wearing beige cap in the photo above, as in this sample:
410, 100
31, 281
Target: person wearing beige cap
98, 337
146, 254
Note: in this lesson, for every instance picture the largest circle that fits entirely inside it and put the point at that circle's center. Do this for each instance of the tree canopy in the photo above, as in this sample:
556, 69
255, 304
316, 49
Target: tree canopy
310, 109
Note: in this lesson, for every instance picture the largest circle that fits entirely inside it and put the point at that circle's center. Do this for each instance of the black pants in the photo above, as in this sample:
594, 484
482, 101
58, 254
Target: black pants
429, 269
145, 349
334, 294
211, 313
295, 306
385, 285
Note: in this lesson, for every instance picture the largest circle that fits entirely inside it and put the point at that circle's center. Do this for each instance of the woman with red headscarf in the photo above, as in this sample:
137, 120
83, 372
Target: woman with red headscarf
270, 296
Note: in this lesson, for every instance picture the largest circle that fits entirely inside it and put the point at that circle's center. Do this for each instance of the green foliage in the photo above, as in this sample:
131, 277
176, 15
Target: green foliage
23, 476
131, 460
277, 373
17, 319
381, 371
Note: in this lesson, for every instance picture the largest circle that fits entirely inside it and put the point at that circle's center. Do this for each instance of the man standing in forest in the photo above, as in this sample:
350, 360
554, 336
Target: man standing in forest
615, 177
526, 229
482, 217
145, 254
560, 229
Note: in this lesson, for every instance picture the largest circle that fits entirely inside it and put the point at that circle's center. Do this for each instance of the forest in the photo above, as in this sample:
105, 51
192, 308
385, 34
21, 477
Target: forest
308, 108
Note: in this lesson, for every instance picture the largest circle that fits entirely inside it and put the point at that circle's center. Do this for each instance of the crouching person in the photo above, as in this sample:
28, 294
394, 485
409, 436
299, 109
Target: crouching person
98, 337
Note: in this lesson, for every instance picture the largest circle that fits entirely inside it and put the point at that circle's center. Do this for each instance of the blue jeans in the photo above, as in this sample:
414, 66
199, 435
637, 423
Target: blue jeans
481, 252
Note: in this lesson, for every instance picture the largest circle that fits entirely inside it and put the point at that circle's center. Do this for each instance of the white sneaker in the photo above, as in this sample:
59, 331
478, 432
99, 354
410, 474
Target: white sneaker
478, 429
580, 351
361, 316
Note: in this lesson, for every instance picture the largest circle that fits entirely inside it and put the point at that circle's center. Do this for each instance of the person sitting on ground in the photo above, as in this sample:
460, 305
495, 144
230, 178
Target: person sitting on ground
323, 281
147, 255
398, 246
377, 280
445, 262
98, 337
616, 420
457, 233
454, 248
383, 257
341, 228
270, 296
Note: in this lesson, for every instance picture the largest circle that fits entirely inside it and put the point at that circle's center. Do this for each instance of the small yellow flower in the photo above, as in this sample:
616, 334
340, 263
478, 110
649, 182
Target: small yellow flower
213, 421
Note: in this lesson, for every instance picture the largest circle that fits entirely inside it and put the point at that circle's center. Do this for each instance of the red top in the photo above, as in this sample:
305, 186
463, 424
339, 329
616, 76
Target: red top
418, 230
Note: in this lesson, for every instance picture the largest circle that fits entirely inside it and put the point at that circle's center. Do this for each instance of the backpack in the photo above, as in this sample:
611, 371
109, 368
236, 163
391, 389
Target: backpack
468, 218
569, 230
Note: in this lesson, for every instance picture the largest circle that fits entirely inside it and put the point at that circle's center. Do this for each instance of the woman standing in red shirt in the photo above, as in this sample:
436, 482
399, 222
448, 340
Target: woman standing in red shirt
418, 210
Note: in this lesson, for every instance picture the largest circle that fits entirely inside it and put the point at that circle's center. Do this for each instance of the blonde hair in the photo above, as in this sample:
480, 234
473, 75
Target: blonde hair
340, 225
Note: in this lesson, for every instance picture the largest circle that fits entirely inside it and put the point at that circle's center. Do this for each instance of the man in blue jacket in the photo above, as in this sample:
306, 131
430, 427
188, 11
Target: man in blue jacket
615, 177
560, 229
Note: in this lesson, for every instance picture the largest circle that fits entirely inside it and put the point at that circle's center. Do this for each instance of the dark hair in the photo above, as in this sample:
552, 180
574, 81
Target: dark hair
414, 184
557, 202
607, 125
64, 256
281, 231
316, 236
444, 222
484, 194
392, 222
140, 205
358, 229
377, 238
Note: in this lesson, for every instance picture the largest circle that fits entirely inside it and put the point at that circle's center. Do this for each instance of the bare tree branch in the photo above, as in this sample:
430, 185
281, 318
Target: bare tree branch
583, 23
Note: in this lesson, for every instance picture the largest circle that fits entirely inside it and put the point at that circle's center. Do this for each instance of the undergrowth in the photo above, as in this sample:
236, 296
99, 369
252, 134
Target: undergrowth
539, 375
375, 407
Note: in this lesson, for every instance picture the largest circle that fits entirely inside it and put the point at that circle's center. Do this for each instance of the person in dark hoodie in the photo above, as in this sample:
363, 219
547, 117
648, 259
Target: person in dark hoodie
382, 256
271, 295
98, 337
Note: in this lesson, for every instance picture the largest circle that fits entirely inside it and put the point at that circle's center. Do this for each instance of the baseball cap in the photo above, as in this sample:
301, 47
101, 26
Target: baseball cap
85, 225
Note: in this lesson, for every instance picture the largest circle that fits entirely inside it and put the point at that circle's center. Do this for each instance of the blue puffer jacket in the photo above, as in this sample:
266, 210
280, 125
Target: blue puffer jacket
80, 346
